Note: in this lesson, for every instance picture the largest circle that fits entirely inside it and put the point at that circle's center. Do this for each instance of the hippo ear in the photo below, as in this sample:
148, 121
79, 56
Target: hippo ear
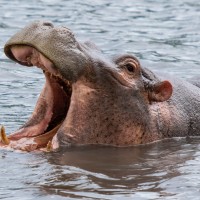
161, 91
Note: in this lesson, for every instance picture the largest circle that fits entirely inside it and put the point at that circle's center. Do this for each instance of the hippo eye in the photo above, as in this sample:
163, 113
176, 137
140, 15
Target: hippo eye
130, 67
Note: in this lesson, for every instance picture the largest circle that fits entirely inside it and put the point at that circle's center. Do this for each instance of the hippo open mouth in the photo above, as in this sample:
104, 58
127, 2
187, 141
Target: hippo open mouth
63, 60
52, 106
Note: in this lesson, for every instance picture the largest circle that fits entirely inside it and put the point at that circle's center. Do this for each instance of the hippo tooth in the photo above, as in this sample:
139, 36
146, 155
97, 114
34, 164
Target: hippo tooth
3, 136
49, 146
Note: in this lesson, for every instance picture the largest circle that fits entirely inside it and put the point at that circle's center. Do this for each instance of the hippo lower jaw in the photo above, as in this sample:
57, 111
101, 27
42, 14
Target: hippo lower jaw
50, 111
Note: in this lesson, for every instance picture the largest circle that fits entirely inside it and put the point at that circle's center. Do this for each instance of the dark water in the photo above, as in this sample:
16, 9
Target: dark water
165, 36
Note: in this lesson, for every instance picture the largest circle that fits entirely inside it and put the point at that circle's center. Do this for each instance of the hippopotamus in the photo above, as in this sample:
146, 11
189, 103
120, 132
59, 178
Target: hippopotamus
90, 98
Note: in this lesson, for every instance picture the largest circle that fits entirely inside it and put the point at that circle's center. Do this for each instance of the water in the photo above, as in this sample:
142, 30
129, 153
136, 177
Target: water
164, 35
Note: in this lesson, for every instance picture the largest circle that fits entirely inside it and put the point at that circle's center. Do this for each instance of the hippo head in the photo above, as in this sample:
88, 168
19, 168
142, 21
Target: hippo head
87, 98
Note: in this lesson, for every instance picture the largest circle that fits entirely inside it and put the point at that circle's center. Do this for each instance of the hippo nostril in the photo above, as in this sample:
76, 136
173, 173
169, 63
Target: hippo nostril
48, 24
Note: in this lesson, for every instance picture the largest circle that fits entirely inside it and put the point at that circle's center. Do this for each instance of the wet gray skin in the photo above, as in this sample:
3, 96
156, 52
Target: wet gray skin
91, 99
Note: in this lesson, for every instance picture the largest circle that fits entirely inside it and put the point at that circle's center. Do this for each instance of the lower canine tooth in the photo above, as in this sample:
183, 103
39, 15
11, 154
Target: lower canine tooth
3, 136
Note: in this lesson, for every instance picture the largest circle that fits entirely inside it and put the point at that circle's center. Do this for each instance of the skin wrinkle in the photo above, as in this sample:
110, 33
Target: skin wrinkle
163, 119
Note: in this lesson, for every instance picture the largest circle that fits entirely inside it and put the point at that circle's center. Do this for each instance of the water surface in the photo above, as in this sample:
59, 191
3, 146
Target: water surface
165, 36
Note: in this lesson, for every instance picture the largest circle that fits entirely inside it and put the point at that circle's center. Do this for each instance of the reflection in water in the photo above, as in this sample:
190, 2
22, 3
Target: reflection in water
116, 172
164, 35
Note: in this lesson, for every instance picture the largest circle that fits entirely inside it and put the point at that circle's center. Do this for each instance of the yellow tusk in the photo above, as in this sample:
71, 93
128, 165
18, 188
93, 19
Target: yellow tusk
3, 136
49, 146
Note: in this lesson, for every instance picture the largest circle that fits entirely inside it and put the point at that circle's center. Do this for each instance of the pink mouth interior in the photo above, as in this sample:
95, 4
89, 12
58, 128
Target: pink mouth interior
54, 101
61, 93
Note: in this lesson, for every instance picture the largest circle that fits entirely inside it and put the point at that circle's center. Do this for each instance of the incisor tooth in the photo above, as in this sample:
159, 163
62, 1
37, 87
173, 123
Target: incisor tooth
3, 136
